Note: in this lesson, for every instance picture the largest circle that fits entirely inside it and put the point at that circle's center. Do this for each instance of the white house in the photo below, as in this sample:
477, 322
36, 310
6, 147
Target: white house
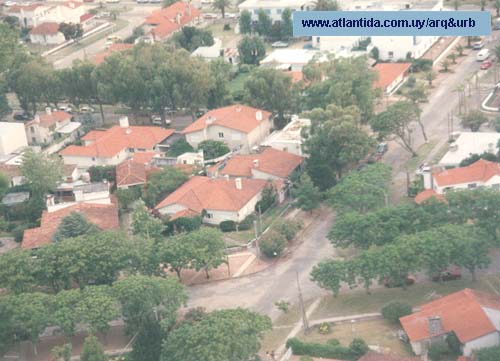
292, 59
28, 15
274, 8
114, 145
240, 127
289, 139
467, 144
48, 126
215, 199
12, 137
46, 34
390, 76
389, 47
473, 316
216, 51
33, 15
191, 158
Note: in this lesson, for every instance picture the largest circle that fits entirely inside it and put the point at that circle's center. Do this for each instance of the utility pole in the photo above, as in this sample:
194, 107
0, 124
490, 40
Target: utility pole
305, 323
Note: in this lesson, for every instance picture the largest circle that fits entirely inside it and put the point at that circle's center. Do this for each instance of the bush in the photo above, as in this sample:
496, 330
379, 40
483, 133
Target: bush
394, 310
454, 343
282, 306
247, 223
269, 197
332, 349
411, 82
438, 350
421, 65
184, 224
496, 124
272, 243
18, 232
488, 354
227, 27
324, 328
227, 226
100, 173
288, 228
306, 358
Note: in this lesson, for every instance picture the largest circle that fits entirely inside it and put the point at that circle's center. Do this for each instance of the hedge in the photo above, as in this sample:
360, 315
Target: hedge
227, 226
332, 349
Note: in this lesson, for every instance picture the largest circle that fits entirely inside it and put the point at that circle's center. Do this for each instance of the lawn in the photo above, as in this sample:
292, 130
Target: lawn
236, 85
228, 37
358, 301
422, 152
377, 332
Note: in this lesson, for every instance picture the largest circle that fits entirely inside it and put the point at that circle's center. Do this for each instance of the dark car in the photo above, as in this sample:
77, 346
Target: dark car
448, 274
391, 283
21, 116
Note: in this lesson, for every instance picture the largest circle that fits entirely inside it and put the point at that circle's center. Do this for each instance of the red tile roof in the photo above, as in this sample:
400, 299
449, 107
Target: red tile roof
106, 144
480, 171
48, 120
133, 172
86, 17
200, 193
45, 29
172, 18
427, 194
144, 157
10, 170
270, 161
388, 73
239, 117
73, 4
372, 356
114, 48
18, 8
104, 216
461, 312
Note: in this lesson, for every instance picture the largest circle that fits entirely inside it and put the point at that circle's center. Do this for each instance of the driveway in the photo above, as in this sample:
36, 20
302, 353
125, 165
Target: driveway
259, 292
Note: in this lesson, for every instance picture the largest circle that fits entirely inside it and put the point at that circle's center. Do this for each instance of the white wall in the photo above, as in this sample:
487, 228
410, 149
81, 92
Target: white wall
47, 39
488, 340
12, 137
86, 162
394, 48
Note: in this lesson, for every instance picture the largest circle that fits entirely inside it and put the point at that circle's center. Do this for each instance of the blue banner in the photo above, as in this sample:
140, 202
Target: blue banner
391, 23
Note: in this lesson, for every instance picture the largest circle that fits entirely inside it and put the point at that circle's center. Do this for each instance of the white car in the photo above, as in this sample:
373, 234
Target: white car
207, 2
112, 1
84, 109
66, 108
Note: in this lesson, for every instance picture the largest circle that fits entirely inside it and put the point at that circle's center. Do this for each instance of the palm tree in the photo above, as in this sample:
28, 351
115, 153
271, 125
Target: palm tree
445, 64
456, 4
430, 76
221, 5
326, 5
453, 58
460, 49
483, 4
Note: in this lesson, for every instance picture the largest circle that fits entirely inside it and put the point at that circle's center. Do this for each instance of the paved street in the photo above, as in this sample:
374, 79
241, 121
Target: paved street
260, 291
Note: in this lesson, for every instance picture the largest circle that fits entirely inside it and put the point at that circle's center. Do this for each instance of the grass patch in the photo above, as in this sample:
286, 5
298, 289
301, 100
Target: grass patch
378, 332
440, 154
228, 37
236, 85
358, 301
422, 152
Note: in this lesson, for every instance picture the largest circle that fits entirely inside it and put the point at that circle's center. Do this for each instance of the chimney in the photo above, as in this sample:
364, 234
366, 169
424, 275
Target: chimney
210, 119
256, 163
226, 177
258, 115
49, 200
435, 326
237, 181
124, 122
238, 109
188, 9
71, 5
48, 110
178, 18
427, 176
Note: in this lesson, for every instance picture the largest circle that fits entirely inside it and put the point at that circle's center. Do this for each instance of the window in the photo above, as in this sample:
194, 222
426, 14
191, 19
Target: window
471, 185
268, 11
221, 135
33, 139
279, 11
209, 215
390, 54
32, 128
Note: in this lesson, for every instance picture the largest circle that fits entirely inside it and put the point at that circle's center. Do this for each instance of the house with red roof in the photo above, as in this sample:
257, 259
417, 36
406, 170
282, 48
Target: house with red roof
46, 34
269, 164
390, 76
240, 127
113, 48
135, 170
104, 216
473, 316
114, 145
50, 125
28, 15
216, 199
481, 173
163, 23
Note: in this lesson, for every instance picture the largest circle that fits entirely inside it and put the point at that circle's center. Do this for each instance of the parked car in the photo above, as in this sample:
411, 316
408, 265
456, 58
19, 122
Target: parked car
155, 1
156, 119
423, 168
209, 16
448, 274
142, 1
112, 1
66, 108
483, 55
85, 109
279, 44
486, 64
390, 283
382, 148
478, 45
21, 116
206, 2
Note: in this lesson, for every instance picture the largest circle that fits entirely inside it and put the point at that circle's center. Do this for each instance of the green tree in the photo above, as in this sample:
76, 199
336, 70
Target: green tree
456, 4
209, 249
483, 4
191, 38
178, 252
162, 183
488, 353
234, 336
264, 24
221, 5
144, 224
307, 196
472, 249
329, 275
144, 299
73, 225
63, 314
213, 149
42, 172
219, 94
179, 147
17, 271
251, 49
286, 23
62, 353
96, 308
473, 120
4, 184
245, 22
92, 350
326, 5
453, 58
398, 119
71, 31
417, 95
394, 310
272, 90
147, 344
497, 7
430, 76
272, 243
459, 49
473, 158
363, 190
445, 66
